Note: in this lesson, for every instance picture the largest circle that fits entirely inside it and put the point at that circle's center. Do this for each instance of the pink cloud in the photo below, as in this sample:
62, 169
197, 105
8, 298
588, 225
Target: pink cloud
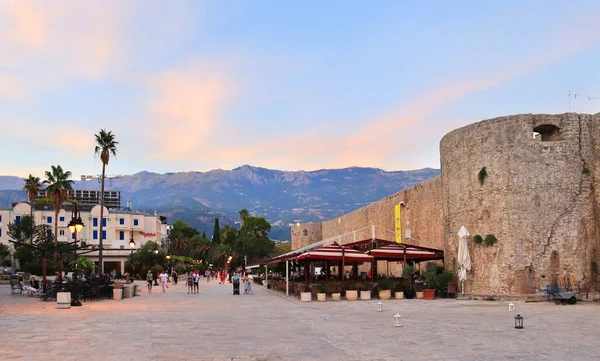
186, 108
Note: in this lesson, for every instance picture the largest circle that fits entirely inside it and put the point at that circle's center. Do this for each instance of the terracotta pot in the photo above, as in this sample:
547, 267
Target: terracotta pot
385, 294
321, 297
351, 295
399, 295
429, 294
336, 296
419, 294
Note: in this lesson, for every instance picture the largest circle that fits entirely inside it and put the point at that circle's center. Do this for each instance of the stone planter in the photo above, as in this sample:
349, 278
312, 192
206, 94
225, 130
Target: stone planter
305, 296
429, 294
365, 295
419, 295
127, 292
63, 300
336, 296
351, 295
117, 293
385, 294
321, 297
399, 295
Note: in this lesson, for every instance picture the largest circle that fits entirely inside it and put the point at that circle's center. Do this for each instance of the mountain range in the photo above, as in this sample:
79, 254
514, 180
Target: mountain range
281, 197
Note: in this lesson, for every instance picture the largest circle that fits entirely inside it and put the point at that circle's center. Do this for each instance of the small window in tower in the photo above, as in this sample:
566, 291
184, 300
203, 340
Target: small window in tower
305, 232
547, 133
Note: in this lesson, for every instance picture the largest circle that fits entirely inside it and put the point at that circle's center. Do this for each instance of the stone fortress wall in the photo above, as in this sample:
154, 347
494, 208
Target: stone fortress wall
539, 200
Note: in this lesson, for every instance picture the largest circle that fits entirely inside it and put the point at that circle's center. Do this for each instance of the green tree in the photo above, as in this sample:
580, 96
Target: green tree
58, 185
254, 238
179, 238
32, 187
243, 214
229, 235
216, 233
105, 146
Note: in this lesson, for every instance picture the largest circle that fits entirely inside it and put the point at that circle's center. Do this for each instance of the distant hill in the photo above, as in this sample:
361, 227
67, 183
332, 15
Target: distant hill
282, 197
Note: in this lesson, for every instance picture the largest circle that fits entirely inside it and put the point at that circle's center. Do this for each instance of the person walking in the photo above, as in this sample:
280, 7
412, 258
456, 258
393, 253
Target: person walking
149, 280
247, 286
190, 282
164, 278
223, 275
196, 278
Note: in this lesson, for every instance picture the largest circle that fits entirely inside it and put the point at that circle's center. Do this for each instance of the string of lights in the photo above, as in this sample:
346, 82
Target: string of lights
574, 95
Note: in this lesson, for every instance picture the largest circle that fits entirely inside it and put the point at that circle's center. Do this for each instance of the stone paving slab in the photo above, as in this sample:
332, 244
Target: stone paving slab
216, 325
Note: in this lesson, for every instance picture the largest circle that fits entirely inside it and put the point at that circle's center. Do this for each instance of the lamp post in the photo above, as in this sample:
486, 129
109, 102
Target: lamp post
132, 244
75, 226
169, 263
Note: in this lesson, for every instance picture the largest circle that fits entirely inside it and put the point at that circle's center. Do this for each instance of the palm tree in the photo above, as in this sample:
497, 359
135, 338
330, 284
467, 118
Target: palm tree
243, 214
58, 185
105, 146
32, 187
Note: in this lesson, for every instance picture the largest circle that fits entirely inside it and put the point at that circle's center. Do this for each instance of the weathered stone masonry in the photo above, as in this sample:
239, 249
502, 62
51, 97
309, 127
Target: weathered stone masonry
539, 199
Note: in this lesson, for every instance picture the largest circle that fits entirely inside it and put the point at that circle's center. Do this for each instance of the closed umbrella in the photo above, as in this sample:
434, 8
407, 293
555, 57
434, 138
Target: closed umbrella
464, 260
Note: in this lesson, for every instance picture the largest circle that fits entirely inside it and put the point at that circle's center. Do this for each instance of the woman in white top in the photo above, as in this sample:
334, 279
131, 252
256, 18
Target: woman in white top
163, 280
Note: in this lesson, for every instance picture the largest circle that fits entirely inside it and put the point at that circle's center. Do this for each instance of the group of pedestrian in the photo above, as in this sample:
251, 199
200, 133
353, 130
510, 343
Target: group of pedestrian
193, 278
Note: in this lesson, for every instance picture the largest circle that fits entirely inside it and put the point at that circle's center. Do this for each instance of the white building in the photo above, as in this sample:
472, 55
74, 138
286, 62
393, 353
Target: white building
118, 229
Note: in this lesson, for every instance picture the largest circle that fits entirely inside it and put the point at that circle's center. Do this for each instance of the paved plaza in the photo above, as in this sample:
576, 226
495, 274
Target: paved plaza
216, 325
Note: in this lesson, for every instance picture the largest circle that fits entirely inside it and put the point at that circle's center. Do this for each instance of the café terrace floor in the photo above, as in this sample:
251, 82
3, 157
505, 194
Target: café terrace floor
216, 325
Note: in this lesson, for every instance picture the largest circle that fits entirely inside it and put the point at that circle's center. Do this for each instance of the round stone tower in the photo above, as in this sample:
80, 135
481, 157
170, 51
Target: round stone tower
530, 181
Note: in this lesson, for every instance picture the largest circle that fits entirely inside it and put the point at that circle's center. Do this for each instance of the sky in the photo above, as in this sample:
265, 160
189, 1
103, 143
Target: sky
288, 85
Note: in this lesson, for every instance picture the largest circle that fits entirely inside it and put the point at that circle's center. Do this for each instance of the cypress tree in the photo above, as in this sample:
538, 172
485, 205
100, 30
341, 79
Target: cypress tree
216, 233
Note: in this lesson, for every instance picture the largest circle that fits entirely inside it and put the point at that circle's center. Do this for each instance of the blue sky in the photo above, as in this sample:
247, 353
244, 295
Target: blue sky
291, 85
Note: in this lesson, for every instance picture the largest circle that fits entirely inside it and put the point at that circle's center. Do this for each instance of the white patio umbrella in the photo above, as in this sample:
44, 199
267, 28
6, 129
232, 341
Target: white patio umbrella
464, 260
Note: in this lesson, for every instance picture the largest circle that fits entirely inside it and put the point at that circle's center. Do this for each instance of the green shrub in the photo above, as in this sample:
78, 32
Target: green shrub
490, 239
322, 288
478, 239
442, 279
586, 171
385, 283
482, 175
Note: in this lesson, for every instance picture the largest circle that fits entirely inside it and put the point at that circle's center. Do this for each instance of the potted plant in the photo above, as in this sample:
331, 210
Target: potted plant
442, 279
429, 282
385, 288
305, 293
398, 291
408, 273
335, 294
117, 290
351, 292
322, 293
365, 291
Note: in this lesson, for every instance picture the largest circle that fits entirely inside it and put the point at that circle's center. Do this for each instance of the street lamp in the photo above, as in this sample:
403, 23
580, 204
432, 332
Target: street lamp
169, 262
132, 243
75, 226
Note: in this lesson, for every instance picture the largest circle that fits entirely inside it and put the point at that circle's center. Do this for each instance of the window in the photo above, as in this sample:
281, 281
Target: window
95, 235
305, 232
121, 220
0, 232
49, 220
0, 218
18, 219
73, 235
103, 222
61, 232
135, 222
121, 235
103, 234
62, 219
95, 222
